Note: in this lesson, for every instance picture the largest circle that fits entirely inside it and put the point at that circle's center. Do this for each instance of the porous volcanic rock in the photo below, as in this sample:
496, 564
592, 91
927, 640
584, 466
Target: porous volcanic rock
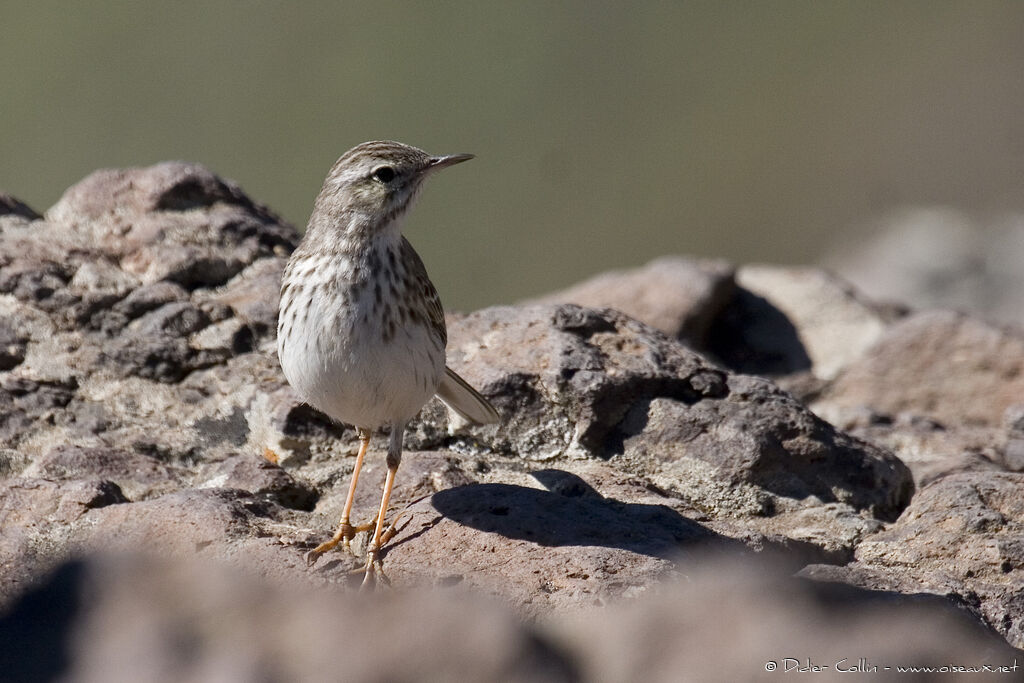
142, 312
940, 389
575, 383
142, 408
929, 448
961, 536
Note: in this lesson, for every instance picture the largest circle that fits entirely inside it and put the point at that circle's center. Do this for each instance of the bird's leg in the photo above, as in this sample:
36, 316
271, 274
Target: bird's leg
394, 459
346, 532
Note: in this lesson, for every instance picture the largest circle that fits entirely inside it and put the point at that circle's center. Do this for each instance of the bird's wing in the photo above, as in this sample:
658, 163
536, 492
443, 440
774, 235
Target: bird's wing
426, 290
453, 391
456, 393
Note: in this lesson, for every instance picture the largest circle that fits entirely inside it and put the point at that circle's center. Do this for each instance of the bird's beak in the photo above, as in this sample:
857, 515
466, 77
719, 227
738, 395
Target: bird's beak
450, 160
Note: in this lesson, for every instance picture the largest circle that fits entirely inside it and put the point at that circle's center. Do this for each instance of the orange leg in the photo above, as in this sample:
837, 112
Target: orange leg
346, 532
373, 556
394, 459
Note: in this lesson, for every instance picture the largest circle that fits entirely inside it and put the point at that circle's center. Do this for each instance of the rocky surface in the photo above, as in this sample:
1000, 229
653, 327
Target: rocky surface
964, 529
140, 395
116, 617
941, 364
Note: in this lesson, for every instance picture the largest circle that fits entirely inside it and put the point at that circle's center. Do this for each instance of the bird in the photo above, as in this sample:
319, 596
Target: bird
361, 332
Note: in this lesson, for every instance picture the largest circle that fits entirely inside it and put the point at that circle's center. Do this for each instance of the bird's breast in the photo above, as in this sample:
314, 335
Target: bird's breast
347, 351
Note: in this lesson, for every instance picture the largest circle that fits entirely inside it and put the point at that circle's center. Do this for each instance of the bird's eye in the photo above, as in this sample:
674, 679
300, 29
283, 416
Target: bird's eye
385, 174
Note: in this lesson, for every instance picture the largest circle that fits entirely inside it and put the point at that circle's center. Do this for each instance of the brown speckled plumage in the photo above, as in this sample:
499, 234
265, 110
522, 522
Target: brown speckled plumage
361, 331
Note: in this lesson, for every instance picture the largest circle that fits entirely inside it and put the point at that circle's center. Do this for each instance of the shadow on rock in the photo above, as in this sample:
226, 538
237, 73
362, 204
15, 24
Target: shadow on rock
752, 336
572, 513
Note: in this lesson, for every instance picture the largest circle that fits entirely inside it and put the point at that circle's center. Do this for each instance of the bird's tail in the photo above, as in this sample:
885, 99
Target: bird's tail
456, 393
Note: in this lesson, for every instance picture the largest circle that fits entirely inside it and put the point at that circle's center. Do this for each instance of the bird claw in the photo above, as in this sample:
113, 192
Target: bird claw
373, 572
343, 536
392, 529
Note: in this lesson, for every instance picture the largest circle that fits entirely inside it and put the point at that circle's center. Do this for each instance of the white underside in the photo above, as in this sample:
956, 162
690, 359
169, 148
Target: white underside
340, 366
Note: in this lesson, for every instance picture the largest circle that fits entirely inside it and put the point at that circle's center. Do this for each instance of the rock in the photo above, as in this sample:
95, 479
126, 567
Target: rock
564, 376
31, 504
185, 521
675, 294
78, 315
96, 286
38, 516
940, 390
35, 282
477, 523
264, 479
138, 475
175, 320
149, 297
227, 337
12, 462
1013, 450
834, 324
768, 320
687, 631
29, 402
254, 294
292, 430
539, 549
111, 616
930, 449
787, 321
578, 381
147, 620
938, 364
162, 357
760, 436
962, 535
181, 374
168, 187
172, 222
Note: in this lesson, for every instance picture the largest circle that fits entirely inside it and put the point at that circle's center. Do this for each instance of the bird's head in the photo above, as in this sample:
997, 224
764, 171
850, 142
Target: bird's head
375, 182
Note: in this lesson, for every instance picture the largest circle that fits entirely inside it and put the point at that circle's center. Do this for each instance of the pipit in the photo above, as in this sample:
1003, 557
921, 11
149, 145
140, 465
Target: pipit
361, 333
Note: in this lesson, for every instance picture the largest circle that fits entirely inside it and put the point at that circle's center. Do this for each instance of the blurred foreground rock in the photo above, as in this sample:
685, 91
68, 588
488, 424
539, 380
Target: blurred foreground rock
140, 390
131, 618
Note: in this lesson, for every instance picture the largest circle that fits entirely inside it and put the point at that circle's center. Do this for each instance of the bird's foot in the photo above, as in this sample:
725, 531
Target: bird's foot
373, 572
343, 536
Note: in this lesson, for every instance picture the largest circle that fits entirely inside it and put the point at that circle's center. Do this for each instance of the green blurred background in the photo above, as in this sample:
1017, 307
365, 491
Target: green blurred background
605, 133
